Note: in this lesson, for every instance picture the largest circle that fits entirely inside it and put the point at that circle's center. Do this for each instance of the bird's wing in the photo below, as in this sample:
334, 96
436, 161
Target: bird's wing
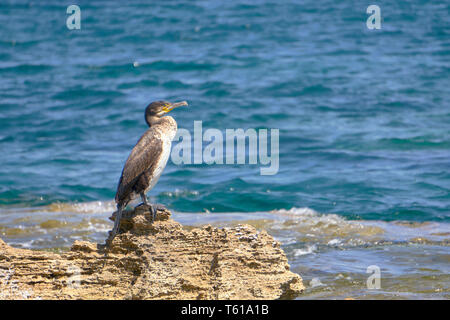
144, 156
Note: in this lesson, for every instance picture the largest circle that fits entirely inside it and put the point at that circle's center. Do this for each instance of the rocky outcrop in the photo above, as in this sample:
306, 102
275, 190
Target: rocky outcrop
159, 260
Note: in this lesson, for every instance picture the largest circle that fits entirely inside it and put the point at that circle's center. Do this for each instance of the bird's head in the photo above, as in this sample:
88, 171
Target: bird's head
157, 109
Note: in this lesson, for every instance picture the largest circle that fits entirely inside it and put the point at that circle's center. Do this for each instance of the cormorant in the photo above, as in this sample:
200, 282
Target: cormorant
147, 159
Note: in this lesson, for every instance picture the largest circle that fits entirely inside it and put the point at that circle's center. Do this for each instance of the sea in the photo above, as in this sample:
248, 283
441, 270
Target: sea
361, 198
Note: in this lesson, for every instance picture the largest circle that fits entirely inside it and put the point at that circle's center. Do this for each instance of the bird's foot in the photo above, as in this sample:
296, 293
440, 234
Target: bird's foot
154, 208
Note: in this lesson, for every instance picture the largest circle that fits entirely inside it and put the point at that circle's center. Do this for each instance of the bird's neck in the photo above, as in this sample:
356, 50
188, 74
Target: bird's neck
166, 123
152, 121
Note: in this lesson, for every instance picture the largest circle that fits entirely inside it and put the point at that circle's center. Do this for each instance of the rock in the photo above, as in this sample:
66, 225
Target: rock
159, 260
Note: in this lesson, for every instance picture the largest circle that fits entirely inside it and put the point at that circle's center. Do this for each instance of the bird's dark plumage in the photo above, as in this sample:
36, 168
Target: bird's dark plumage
147, 159
140, 166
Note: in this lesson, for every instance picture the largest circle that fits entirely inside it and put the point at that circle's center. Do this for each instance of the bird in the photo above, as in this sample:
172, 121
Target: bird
147, 159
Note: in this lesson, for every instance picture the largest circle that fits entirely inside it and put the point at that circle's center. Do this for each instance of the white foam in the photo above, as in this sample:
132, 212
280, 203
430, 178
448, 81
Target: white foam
83, 207
307, 250
334, 242
315, 282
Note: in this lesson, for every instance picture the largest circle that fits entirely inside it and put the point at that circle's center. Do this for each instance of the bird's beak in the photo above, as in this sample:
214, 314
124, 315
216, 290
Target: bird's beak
174, 105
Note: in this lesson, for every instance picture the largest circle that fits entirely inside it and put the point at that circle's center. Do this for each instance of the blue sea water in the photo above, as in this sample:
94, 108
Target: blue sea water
364, 115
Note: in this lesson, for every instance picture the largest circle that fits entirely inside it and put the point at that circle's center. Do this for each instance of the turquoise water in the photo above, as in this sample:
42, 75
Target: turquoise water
363, 116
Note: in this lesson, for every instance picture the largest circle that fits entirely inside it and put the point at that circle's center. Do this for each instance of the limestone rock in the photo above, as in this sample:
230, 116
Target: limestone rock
154, 260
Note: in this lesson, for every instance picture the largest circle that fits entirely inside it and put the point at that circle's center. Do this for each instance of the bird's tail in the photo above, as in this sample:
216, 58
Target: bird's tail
115, 230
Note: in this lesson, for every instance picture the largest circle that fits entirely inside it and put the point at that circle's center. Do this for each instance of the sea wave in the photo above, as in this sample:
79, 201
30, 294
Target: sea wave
332, 230
296, 225
82, 207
